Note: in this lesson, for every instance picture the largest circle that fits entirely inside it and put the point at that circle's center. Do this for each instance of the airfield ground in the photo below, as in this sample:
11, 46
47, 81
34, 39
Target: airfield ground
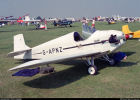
71, 79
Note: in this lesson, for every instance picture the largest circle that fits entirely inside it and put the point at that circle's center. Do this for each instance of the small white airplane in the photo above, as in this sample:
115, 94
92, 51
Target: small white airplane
41, 26
89, 45
52, 19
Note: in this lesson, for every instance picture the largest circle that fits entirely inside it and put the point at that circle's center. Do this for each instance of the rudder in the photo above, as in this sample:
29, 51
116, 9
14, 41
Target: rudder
126, 30
19, 43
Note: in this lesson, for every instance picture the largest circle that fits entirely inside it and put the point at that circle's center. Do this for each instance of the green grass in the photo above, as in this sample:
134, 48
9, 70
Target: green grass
71, 79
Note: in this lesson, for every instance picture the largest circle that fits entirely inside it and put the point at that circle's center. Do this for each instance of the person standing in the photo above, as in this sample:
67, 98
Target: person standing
83, 21
93, 23
93, 26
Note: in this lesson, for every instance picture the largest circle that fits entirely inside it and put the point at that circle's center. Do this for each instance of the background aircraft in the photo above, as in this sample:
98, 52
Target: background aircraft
129, 34
64, 22
129, 20
52, 19
26, 19
41, 26
5, 20
111, 21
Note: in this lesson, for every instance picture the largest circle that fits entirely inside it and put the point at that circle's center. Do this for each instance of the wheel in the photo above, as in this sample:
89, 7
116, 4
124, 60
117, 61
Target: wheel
92, 70
111, 61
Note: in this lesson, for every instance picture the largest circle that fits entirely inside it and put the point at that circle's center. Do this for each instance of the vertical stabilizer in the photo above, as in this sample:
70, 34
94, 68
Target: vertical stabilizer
19, 43
126, 30
27, 18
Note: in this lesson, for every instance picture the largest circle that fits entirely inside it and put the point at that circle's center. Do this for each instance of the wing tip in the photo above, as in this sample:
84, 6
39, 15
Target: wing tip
11, 69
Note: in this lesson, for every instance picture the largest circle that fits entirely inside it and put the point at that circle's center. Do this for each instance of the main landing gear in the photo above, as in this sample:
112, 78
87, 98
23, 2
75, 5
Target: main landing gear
92, 70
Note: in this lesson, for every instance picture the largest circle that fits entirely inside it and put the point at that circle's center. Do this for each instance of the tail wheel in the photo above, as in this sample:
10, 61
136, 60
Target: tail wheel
92, 70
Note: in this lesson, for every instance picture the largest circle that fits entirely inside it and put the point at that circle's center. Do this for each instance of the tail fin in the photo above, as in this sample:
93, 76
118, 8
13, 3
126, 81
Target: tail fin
126, 30
19, 46
19, 43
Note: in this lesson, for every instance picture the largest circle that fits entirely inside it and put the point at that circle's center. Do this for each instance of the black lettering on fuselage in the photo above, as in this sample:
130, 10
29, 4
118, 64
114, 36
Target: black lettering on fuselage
44, 52
50, 51
60, 49
56, 49
53, 50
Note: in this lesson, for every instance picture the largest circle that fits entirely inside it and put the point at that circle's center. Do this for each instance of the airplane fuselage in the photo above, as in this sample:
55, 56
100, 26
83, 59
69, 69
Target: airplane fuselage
71, 45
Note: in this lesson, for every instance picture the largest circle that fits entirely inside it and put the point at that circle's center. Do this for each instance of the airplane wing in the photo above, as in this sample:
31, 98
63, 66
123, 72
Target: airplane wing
12, 54
6, 20
54, 59
32, 20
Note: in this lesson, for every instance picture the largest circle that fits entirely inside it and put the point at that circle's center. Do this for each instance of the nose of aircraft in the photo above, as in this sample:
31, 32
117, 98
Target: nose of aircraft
120, 35
127, 36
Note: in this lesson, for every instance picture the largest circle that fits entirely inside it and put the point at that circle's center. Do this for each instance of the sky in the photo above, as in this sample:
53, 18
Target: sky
70, 8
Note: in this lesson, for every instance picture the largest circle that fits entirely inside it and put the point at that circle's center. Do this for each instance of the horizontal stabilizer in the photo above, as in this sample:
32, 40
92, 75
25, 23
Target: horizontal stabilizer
12, 54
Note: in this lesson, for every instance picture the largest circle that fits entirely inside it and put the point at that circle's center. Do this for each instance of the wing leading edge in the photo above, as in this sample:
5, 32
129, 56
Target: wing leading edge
35, 63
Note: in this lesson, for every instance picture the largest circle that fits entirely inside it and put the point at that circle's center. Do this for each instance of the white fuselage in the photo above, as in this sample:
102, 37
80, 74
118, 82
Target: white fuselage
67, 46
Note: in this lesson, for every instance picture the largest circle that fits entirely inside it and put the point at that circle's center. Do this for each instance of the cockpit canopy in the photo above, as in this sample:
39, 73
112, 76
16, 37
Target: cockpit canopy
87, 31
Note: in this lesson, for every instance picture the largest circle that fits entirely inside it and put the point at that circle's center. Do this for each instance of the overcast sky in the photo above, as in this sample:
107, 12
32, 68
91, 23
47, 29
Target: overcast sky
70, 8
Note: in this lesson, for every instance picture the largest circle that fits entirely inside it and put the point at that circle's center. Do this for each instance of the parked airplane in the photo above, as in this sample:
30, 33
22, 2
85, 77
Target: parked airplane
64, 22
26, 19
129, 20
2, 24
5, 20
52, 19
129, 34
89, 45
111, 21
41, 26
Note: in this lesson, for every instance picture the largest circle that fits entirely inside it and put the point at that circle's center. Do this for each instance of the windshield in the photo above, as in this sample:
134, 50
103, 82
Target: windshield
87, 31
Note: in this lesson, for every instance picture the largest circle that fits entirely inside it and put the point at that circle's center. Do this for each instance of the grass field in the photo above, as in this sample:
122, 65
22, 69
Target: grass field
71, 79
